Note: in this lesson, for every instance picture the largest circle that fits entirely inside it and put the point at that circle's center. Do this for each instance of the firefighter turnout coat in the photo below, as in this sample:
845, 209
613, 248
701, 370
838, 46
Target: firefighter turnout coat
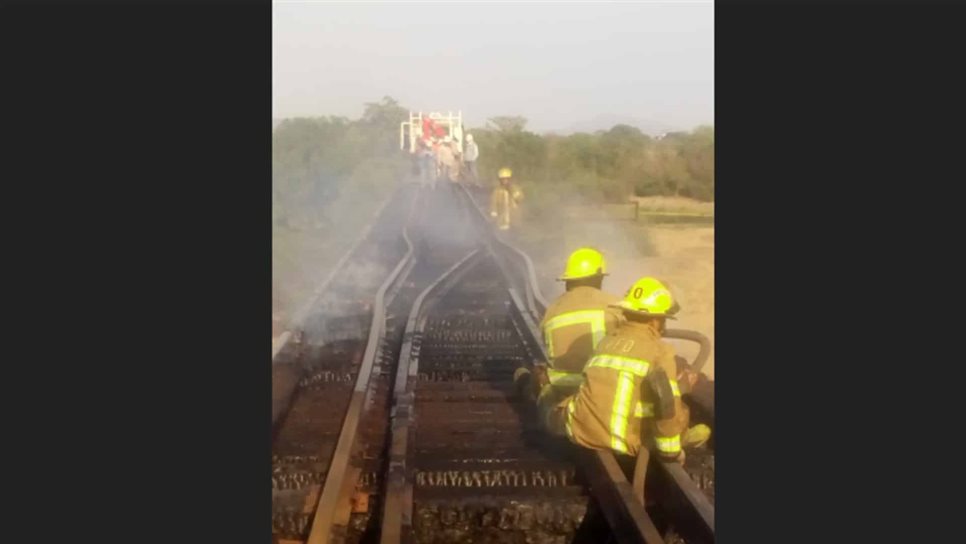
503, 201
572, 327
613, 407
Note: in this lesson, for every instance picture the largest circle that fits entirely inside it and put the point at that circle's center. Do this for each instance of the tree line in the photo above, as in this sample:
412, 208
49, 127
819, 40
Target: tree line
605, 166
321, 164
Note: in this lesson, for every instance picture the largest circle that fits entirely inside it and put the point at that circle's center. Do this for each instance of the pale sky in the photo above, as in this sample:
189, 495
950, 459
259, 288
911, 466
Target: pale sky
556, 63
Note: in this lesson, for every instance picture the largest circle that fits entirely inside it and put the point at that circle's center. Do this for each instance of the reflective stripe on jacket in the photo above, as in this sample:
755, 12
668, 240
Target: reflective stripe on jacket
572, 327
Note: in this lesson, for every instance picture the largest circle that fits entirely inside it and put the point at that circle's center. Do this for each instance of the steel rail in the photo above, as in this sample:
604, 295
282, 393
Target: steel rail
683, 496
336, 479
287, 373
536, 302
397, 508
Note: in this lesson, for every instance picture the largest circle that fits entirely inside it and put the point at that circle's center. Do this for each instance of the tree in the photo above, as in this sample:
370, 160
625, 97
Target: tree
383, 118
383, 113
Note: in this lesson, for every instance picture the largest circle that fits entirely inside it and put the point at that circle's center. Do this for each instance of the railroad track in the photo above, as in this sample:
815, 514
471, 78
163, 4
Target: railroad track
469, 463
412, 433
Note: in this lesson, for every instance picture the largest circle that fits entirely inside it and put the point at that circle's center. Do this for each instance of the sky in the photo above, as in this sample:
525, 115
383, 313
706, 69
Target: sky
562, 65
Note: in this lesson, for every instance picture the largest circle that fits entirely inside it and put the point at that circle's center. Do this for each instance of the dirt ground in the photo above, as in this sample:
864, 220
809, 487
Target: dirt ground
674, 204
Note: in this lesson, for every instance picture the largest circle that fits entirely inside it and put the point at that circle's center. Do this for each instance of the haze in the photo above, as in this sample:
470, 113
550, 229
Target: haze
563, 66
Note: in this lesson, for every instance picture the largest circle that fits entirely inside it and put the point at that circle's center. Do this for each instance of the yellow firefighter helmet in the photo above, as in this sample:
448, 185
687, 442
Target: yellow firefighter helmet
584, 263
649, 296
504, 173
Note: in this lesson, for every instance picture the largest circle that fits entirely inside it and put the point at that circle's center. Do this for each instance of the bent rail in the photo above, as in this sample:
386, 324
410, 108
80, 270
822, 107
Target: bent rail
289, 374
333, 490
397, 509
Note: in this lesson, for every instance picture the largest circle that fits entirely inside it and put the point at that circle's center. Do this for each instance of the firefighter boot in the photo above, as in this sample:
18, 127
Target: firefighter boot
696, 436
522, 382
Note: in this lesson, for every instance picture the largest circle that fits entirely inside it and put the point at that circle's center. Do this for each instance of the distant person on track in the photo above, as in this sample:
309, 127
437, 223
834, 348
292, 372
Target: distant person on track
446, 159
470, 158
425, 160
504, 200
629, 392
435, 144
572, 328
427, 163
457, 169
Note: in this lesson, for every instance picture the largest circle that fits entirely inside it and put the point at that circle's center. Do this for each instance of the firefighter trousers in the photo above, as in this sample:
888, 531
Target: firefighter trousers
552, 408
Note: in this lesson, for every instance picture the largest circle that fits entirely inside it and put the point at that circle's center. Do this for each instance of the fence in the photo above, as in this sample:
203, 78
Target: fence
631, 211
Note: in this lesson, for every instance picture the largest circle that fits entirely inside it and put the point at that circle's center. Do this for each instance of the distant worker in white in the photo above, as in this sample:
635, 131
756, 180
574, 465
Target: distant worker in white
457, 170
469, 158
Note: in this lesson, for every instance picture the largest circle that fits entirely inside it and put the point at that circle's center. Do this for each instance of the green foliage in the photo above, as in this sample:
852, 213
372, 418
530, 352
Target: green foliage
524, 152
315, 160
382, 120
607, 166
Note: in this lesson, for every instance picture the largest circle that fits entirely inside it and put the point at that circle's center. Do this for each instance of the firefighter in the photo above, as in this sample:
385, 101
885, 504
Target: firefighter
572, 327
629, 392
505, 198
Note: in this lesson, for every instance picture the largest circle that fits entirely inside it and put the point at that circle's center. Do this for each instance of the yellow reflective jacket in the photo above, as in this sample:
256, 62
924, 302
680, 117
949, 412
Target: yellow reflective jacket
612, 406
502, 201
572, 327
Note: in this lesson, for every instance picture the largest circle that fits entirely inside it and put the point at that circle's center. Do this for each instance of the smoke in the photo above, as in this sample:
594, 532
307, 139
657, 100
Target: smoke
342, 312
555, 222
319, 212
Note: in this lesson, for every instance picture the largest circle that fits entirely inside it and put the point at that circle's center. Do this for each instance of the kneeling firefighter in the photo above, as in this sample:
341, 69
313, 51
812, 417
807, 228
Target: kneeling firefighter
629, 393
572, 327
